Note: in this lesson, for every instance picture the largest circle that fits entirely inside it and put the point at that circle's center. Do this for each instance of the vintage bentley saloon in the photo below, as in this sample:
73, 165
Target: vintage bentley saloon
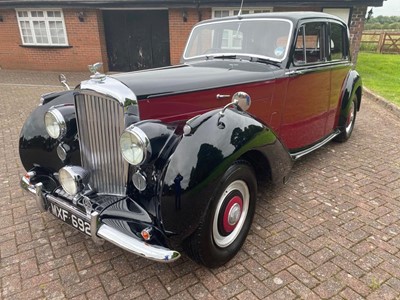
165, 160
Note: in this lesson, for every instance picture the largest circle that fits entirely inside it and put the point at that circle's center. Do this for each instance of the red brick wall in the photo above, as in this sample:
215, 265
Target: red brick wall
179, 30
356, 29
86, 38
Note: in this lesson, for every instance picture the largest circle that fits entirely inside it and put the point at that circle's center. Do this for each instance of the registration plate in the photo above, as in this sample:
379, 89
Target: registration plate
70, 218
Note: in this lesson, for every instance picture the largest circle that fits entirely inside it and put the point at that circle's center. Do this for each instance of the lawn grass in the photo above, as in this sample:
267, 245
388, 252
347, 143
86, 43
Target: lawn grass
381, 74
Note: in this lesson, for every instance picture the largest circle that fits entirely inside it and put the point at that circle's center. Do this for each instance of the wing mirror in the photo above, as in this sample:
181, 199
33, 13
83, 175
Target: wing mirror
63, 80
240, 100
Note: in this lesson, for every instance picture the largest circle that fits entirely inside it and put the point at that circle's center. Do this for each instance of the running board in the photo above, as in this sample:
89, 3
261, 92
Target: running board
297, 155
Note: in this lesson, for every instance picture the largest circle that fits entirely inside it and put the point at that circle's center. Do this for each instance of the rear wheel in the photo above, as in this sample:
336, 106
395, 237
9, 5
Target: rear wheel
227, 222
350, 121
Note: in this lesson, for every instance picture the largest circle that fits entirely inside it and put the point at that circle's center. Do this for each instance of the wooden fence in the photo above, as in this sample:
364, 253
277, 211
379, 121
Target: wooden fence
382, 42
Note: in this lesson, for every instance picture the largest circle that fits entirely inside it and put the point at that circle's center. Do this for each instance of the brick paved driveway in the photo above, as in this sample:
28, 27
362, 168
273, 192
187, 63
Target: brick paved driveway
332, 232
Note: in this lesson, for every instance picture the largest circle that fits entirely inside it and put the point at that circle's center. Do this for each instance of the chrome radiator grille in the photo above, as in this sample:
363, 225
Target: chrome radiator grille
100, 122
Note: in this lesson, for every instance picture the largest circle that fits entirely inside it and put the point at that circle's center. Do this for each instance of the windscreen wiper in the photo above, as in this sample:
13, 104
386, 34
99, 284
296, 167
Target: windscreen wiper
230, 56
265, 61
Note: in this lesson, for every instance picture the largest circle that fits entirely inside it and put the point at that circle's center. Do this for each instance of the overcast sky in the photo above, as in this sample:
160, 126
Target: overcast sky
389, 8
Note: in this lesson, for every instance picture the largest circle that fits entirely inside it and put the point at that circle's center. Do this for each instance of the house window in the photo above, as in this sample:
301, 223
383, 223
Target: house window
226, 12
42, 27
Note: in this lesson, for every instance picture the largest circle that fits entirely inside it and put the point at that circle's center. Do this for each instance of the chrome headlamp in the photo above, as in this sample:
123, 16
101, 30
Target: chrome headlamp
73, 179
55, 123
135, 145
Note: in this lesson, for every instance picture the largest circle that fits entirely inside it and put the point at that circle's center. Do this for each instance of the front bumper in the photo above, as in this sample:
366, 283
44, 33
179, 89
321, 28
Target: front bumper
98, 230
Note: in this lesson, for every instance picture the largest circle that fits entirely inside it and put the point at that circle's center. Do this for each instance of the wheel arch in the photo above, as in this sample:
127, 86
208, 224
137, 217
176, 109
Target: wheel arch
259, 163
201, 159
352, 86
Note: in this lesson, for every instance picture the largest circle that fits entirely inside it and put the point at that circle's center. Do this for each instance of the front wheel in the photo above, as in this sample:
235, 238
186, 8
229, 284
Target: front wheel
227, 222
350, 121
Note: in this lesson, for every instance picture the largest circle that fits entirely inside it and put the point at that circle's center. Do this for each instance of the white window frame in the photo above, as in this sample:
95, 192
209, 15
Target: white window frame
46, 19
232, 10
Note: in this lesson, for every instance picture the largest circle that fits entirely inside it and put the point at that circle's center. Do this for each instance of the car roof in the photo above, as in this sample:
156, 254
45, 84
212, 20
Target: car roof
292, 16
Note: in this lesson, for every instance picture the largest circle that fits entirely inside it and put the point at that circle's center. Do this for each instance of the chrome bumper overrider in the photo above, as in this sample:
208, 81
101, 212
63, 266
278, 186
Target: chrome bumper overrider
99, 231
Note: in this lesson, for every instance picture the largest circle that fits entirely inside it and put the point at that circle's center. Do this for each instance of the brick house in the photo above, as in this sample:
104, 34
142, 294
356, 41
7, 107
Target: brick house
130, 34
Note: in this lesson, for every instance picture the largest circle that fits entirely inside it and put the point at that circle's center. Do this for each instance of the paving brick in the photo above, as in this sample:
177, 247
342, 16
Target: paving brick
208, 279
302, 291
305, 277
301, 260
82, 287
247, 295
199, 291
279, 264
329, 288
132, 292
325, 271
349, 294
110, 282
282, 294
354, 283
229, 290
256, 286
155, 289
321, 256
181, 284
383, 292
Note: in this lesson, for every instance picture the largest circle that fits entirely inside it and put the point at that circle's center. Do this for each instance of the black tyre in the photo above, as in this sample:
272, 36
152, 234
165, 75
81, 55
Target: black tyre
350, 121
227, 222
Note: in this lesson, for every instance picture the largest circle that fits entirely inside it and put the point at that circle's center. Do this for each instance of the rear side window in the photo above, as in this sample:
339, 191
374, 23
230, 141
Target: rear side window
337, 42
309, 45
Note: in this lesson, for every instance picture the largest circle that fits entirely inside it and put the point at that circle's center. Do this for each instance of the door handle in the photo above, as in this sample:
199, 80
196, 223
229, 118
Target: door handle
293, 73
220, 96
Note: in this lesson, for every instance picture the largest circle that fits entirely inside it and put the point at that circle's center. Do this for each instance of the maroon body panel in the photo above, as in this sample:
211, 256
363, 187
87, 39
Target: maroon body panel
184, 106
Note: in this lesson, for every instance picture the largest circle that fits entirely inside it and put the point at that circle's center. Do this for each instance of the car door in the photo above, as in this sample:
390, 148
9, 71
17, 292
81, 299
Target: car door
306, 105
339, 60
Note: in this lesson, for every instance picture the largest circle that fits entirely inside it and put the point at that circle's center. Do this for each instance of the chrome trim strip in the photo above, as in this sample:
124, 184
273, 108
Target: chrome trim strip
297, 155
322, 66
136, 246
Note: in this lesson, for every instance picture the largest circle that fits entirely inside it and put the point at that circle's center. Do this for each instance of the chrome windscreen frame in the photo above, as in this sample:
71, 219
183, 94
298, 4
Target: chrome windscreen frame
290, 33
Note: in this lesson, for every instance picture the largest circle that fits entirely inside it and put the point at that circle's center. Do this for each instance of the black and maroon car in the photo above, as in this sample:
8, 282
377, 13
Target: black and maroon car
168, 159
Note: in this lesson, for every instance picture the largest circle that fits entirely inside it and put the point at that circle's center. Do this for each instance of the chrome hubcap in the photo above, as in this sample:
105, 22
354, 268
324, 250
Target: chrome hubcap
350, 118
230, 215
234, 214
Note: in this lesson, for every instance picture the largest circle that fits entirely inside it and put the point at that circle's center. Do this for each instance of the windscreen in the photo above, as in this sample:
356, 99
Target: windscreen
266, 38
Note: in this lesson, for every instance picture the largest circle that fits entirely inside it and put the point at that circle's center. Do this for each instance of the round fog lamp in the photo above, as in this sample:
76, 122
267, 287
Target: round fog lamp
134, 145
139, 181
54, 123
73, 178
